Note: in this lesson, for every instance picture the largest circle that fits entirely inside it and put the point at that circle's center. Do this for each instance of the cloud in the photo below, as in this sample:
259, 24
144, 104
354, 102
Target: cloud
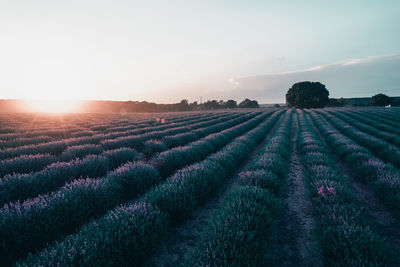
351, 78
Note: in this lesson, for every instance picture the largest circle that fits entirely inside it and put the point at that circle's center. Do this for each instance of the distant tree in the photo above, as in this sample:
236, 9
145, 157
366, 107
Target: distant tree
213, 104
194, 105
380, 100
307, 95
395, 101
183, 105
247, 103
231, 104
336, 102
277, 106
184, 102
359, 105
341, 102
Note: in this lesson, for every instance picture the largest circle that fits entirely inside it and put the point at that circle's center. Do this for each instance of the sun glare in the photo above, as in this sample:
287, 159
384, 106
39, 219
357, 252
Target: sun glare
52, 106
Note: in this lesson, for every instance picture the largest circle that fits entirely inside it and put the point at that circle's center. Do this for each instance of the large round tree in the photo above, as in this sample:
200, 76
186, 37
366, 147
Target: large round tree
380, 100
307, 95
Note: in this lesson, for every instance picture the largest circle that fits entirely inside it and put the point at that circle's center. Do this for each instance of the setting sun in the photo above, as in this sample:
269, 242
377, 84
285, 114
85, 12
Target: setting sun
199, 133
52, 106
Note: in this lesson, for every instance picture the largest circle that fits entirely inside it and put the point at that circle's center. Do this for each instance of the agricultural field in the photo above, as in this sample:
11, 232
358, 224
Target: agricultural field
255, 187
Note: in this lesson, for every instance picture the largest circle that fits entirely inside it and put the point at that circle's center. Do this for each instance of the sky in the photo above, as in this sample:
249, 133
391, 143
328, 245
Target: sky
165, 51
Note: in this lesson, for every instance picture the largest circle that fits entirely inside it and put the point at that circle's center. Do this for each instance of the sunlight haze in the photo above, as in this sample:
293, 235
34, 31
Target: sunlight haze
165, 51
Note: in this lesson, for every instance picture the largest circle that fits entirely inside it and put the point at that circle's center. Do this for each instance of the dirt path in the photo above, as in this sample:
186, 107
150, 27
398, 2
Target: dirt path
382, 220
296, 229
182, 239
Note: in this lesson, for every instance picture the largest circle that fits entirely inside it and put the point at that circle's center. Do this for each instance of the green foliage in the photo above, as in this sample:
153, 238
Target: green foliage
231, 104
125, 236
237, 235
345, 238
307, 95
261, 178
152, 147
336, 102
247, 103
380, 100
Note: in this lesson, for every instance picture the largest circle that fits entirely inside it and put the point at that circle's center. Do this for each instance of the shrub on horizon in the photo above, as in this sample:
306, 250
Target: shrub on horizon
307, 95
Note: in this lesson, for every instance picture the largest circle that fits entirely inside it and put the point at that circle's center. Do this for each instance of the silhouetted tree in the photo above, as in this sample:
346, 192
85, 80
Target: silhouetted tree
194, 105
307, 95
380, 100
247, 103
183, 105
231, 104
336, 102
213, 104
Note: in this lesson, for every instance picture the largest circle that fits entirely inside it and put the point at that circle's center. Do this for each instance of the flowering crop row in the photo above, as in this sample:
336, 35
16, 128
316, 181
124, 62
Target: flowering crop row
23, 186
358, 122
29, 225
137, 140
46, 211
238, 233
26, 163
92, 139
377, 121
345, 239
382, 177
77, 127
159, 128
381, 148
24, 141
389, 117
72, 126
128, 234
58, 146
36, 162
182, 139
154, 122
168, 161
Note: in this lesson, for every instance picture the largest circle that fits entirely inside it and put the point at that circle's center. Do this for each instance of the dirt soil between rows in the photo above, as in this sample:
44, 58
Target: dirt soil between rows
382, 220
182, 239
296, 241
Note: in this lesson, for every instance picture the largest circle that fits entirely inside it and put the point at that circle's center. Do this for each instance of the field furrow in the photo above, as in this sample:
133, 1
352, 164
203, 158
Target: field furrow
182, 239
242, 187
381, 219
36, 162
344, 237
174, 199
382, 149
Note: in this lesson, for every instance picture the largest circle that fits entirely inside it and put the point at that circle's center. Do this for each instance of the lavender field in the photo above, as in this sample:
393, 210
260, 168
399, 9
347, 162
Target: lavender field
255, 187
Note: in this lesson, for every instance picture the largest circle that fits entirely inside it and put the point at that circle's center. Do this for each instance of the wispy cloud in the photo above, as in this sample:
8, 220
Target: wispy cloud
350, 78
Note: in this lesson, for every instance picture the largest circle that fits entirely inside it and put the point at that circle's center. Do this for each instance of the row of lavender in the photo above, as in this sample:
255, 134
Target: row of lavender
345, 237
22, 186
26, 163
128, 234
28, 226
383, 144
371, 166
241, 228
243, 222
15, 126
59, 145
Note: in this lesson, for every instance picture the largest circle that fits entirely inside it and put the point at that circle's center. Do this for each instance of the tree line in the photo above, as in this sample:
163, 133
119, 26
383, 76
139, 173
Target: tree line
314, 95
183, 105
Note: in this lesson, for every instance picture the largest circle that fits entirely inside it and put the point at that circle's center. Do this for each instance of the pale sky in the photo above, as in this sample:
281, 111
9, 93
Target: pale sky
165, 51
